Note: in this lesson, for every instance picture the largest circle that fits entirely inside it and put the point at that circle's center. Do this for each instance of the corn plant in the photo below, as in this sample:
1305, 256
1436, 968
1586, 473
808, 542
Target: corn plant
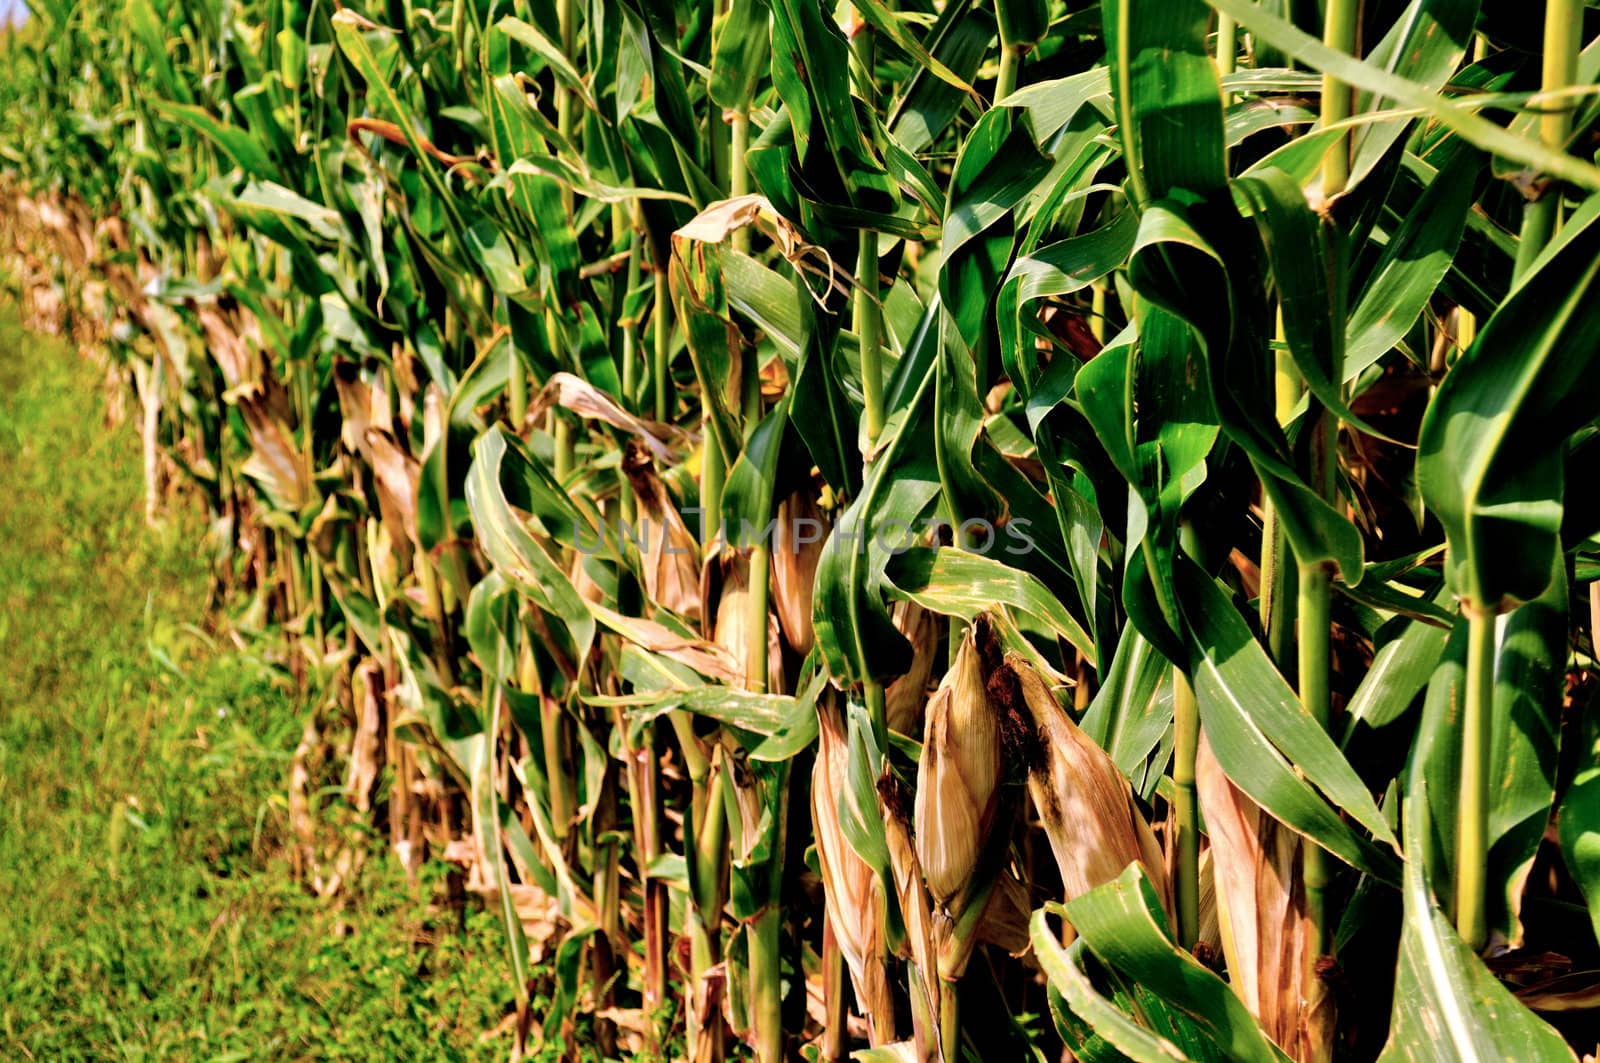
931, 530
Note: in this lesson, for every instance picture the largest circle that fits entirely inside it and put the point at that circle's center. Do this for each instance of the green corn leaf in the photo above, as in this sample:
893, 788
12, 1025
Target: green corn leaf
1413, 262
1489, 457
1122, 924
1579, 832
1065, 968
1447, 1005
964, 584
1132, 710
1476, 130
1266, 742
247, 152
1167, 96
507, 542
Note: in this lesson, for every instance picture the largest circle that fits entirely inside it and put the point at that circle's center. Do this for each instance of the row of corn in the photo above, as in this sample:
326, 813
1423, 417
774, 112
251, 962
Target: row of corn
931, 530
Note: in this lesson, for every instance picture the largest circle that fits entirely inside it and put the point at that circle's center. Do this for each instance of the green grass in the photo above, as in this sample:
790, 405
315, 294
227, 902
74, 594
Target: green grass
146, 910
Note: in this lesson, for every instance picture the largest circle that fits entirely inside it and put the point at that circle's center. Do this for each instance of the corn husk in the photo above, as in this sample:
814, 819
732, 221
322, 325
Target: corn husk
725, 590
958, 776
1266, 931
670, 556
1084, 801
796, 549
916, 914
852, 890
906, 697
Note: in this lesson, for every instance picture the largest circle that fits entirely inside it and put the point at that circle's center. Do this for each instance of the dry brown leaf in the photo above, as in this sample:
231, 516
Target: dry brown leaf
589, 402
906, 697
668, 552
707, 658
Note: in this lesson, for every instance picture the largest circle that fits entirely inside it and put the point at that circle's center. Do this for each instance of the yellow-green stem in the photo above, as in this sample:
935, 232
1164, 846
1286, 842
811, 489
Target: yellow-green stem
314, 574
739, 185
949, 1020
836, 1013
756, 622
1227, 48
564, 446
1563, 38
443, 653
1472, 826
766, 989
662, 329
630, 329
713, 475
869, 326
1339, 33
1010, 67
877, 711
1315, 644
1185, 808
1277, 570
516, 390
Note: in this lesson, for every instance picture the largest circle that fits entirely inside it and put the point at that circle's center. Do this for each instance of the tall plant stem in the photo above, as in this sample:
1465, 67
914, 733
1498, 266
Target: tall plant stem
1185, 799
869, 327
1227, 48
1010, 67
713, 476
566, 24
656, 901
443, 653
1472, 827
867, 316
1563, 38
835, 1036
558, 422
739, 169
661, 327
607, 902
516, 389
766, 988
756, 622
739, 185
564, 447
1186, 807
1315, 642
1277, 570
1338, 32
764, 936
706, 846
624, 218
552, 734
1314, 607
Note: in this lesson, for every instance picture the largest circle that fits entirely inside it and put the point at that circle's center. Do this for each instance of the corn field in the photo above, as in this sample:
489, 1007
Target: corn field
925, 530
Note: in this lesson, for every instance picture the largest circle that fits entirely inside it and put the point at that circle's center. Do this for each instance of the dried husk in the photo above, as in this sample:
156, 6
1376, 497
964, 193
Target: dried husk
852, 890
726, 590
796, 549
906, 697
958, 775
1085, 803
1267, 934
670, 556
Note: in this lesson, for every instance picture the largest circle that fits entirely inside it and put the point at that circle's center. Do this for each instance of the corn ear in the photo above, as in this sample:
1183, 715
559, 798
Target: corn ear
1266, 932
795, 553
1084, 802
958, 776
852, 890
